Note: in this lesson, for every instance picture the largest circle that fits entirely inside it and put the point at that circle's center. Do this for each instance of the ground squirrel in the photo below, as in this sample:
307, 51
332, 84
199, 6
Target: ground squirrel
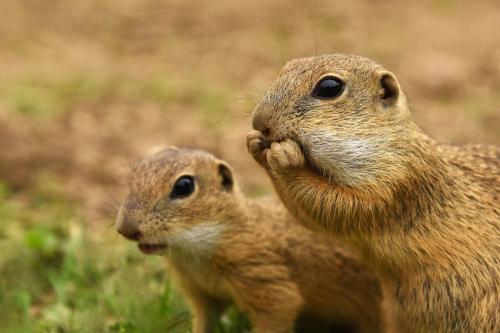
223, 247
337, 139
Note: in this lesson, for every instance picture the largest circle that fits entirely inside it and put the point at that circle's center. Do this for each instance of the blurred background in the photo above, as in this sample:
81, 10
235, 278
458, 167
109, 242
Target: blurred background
87, 87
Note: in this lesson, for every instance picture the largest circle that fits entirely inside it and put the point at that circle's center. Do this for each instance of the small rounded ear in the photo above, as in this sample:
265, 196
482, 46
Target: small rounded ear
389, 88
226, 175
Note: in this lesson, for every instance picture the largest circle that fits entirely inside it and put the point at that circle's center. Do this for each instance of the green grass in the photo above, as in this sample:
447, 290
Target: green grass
57, 276
212, 106
42, 97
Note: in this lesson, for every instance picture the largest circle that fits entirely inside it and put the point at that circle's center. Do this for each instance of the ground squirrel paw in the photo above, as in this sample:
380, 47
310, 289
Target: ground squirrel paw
285, 155
257, 147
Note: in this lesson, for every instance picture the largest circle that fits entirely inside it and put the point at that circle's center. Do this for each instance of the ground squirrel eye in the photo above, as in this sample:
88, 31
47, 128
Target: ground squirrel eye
183, 187
328, 88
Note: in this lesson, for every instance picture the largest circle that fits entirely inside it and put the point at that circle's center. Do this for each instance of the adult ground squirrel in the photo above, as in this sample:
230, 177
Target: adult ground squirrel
223, 247
336, 136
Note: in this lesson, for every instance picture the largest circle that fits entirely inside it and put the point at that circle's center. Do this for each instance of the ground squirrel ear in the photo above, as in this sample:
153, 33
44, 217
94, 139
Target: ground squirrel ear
226, 176
389, 88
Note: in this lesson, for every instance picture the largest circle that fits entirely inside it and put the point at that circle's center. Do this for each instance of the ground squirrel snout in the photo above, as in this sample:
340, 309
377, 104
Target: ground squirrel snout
352, 162
224, 248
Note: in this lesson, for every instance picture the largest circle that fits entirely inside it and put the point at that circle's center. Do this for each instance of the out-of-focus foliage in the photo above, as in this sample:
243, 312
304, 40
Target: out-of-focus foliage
56, 277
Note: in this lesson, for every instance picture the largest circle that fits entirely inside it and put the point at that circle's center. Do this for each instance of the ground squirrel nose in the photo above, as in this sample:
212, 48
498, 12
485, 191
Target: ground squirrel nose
136, 235
260, 125
128, 230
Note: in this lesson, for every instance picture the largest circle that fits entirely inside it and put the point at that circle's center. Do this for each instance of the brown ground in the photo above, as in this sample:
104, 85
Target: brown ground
86, 87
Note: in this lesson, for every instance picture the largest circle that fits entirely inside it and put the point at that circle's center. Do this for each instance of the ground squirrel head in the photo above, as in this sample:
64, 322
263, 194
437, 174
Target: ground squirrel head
347, 112
177, 200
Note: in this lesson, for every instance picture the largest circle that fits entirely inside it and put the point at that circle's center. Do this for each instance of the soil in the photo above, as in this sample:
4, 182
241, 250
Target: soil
189, 74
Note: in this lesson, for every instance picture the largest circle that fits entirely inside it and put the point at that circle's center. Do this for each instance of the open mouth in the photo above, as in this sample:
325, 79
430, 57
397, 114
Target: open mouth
151, 248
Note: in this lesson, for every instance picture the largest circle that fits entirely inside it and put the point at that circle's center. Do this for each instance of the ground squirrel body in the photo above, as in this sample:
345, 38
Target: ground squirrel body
223, 247
336, 136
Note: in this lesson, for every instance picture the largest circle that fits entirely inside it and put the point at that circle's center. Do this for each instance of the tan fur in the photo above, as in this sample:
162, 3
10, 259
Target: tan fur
223, 247
425, 216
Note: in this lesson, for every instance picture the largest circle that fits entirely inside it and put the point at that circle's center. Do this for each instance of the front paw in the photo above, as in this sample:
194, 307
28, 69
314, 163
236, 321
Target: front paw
285, 156
258, 146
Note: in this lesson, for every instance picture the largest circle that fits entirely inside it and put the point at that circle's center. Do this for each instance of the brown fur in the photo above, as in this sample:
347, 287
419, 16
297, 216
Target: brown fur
251, 252
425, 216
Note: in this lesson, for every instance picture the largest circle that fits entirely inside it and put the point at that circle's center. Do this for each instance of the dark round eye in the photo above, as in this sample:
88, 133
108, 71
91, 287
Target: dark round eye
183, 187
329, 87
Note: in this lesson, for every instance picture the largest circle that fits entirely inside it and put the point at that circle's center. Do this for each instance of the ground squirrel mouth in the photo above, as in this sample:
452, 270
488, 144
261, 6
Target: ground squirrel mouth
151, 248
269, 137
266, 144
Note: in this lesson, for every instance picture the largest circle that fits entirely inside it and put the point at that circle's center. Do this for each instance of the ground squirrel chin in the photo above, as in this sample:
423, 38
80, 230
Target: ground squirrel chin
224, 248
424, 215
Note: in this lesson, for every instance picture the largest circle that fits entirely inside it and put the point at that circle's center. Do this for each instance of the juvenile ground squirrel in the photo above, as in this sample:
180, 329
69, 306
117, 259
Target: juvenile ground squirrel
336, 136
223, 247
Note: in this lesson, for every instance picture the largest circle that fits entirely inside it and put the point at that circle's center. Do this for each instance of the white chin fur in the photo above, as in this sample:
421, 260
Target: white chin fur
198, 240
349, 161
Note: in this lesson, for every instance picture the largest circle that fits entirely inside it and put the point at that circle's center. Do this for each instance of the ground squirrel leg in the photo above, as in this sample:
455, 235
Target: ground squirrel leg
285, 163
272, 308
312, 198
306, 203
275, 320
206, 313
270, 324
287, 169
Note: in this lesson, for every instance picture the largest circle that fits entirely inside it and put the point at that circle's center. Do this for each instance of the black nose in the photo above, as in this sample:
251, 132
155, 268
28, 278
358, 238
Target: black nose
128, 230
